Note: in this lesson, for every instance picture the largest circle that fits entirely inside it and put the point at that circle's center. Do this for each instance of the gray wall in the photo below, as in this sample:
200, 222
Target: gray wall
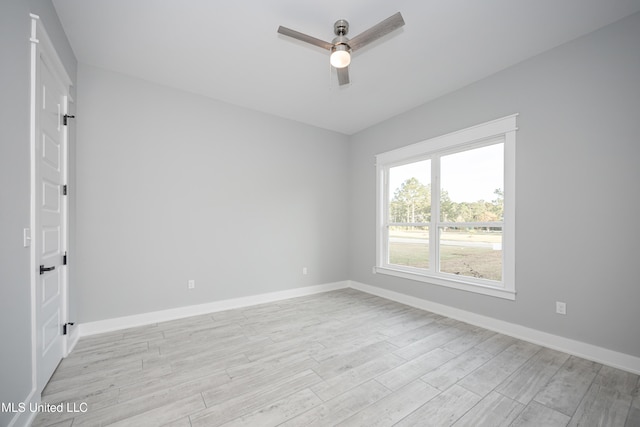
173, 186
15, 315
578, 148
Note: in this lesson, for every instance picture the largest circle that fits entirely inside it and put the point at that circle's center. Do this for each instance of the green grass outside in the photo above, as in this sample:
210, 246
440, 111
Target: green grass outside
485, 263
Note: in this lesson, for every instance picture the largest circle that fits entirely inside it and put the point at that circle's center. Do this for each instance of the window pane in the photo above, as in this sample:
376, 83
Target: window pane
472, 185
474, 252
410, 192
409, 246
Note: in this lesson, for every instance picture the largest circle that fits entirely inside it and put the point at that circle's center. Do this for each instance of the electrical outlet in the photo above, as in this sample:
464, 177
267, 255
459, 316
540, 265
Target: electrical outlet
304, 271
191, 284
561, 307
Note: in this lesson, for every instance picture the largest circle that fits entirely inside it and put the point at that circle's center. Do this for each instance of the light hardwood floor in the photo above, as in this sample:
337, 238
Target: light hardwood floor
340, 358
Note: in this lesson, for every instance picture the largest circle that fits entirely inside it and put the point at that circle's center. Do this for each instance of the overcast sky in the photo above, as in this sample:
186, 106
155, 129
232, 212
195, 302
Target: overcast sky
468, 176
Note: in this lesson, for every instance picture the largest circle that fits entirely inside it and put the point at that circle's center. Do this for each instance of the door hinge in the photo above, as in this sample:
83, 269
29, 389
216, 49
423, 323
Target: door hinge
65, 327
64, 259
65, 190
66, 117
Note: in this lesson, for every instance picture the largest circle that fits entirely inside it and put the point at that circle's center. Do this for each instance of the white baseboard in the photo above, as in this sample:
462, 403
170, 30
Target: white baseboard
27, 417
577, 348
72, 340
115, 324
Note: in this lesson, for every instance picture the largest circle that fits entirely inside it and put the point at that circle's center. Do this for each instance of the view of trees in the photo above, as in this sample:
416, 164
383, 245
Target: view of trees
412, 203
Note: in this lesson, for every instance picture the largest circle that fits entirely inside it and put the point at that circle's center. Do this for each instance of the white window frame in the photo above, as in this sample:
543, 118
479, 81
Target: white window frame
500, 130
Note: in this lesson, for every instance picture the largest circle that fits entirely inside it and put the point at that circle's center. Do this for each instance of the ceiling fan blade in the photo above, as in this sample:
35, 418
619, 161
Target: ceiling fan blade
305, 38
374, 33
343, 76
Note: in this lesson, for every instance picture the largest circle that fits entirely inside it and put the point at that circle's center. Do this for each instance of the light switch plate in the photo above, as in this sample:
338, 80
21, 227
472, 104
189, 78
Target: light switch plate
26, 237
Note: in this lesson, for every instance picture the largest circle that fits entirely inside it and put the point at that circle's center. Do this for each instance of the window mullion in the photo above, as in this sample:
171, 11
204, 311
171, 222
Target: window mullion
434, 244
384, 255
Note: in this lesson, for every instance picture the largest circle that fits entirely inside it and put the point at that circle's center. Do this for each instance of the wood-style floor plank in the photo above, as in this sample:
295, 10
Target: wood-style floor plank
409, 371
335, 386
341, 407
488, 376
568, 386
170, 412
527, 381
222, 409
633, 418
393, 408
536, 415
277, 412
444, 409
457, 368
338, 358
495, 410
603, 407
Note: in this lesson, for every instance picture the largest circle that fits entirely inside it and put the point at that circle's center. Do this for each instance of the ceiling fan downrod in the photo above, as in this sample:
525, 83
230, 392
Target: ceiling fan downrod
341, 27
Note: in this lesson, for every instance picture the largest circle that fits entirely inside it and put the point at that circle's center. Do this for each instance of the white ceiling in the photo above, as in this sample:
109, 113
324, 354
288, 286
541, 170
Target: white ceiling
230, 50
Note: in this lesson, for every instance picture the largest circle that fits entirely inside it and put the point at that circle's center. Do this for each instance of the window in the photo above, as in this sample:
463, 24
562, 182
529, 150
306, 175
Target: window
445, 210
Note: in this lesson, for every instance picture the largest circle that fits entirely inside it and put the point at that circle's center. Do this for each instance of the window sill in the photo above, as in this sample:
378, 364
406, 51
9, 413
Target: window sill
455, 284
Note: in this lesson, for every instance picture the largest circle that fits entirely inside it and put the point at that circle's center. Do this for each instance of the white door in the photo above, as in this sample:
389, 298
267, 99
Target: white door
50, 240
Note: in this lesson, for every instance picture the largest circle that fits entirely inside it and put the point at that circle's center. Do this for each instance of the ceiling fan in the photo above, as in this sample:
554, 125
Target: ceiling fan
341, 46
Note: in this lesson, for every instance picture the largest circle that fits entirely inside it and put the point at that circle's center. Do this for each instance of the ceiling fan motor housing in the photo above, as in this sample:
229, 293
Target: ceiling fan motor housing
340, 40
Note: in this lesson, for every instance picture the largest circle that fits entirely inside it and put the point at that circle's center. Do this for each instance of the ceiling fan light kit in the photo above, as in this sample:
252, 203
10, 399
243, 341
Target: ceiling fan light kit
340, 56
341, 46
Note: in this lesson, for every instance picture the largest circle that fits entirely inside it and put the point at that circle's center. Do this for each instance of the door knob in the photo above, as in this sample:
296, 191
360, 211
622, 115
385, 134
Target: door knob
43, 268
